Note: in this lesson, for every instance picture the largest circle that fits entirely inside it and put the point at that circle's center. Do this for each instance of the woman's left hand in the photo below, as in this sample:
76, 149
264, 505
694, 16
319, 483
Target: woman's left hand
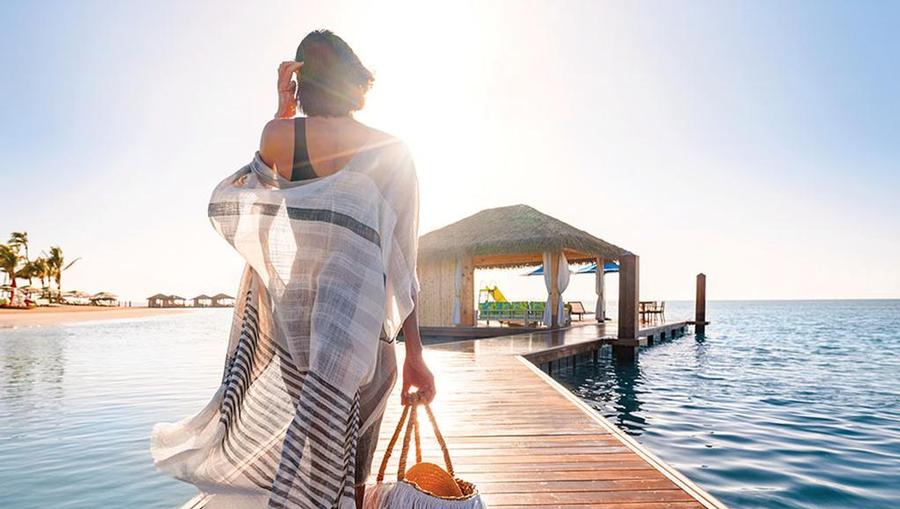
286, 72
287, 89
416, 374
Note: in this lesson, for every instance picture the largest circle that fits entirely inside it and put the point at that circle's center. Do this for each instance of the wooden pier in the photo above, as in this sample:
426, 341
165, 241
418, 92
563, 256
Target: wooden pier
526, 441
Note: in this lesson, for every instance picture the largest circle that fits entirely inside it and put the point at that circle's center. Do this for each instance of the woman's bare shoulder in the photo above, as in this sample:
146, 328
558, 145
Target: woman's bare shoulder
278, 128
277, 137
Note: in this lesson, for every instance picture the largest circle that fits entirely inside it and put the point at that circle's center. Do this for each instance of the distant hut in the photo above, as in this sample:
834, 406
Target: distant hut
222, 301
503, 237
161, 300
76, 297
105, 299
202, 301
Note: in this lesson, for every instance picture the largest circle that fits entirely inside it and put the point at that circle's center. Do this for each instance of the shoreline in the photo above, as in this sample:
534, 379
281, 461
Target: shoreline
59, 315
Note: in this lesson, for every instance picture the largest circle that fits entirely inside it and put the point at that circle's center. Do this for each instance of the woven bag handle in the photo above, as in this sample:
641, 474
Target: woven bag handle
392, 443
412, 428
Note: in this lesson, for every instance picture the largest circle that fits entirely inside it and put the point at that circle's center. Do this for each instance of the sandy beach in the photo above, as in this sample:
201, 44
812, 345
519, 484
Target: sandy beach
55, 315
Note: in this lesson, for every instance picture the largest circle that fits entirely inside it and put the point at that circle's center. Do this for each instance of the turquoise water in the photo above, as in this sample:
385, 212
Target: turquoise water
782, 405
77, 404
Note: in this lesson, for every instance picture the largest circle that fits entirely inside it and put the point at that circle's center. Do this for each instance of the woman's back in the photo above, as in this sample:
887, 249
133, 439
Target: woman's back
329, 283
325, 144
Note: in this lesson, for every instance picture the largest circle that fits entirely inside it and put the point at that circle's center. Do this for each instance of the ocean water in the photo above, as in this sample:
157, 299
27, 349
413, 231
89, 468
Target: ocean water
77, 403
786, 404
781, 405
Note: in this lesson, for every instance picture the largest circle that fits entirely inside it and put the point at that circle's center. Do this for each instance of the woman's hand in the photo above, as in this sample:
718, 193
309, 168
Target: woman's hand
285, 74
287, 89
416, 374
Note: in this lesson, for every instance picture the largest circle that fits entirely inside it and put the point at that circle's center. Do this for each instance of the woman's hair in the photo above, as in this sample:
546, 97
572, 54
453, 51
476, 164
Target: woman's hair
333, 82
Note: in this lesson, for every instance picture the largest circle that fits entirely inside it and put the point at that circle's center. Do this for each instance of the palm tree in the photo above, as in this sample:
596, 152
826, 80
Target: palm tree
19, 240
57, 265
42, 270
9, 262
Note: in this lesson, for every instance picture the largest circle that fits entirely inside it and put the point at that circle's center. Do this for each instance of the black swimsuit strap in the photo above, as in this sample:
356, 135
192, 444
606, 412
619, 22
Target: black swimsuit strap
301, 168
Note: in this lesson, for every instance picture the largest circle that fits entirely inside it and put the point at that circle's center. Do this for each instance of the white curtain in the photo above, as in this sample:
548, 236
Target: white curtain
547, 257
457, 292
562, 281
600, 311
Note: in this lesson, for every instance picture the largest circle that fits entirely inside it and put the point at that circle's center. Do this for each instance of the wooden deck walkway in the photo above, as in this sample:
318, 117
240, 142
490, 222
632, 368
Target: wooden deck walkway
526, 441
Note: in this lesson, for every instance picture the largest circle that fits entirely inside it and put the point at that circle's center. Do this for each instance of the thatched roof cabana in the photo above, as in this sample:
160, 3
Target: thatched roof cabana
105, 299
221, 300
502, 237
513, 236
161, 300
202, 301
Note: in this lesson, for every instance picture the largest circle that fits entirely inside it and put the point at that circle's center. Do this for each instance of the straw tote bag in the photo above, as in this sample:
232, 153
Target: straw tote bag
425, 485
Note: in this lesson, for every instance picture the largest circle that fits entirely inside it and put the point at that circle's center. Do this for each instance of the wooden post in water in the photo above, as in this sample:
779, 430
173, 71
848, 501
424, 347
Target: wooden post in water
625, 347
700, 306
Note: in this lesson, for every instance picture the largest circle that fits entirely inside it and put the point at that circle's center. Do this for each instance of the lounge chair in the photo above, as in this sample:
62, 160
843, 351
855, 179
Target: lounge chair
577, 308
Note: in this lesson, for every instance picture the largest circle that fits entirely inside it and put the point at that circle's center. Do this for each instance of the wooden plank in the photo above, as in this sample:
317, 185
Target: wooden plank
523, 442
526, 441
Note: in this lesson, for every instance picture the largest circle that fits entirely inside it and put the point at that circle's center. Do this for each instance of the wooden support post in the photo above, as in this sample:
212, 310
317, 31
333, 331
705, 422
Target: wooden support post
700, 306
600, 281
629, 281
467, 294
554, 290
625, 347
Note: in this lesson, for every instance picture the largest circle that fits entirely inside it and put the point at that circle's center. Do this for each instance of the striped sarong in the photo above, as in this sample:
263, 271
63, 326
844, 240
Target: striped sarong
329, 280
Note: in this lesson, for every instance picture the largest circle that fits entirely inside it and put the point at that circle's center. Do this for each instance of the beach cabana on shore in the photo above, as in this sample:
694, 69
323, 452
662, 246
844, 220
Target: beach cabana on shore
202, 301
105, 299
508, 237
161, 300
221, 300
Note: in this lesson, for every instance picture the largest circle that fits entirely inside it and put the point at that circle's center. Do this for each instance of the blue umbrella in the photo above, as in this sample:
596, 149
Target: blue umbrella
590, 269
607, 268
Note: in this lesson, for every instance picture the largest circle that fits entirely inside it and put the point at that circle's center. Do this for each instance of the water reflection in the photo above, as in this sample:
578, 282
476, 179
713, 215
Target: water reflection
614, 389
34, 367
774, 391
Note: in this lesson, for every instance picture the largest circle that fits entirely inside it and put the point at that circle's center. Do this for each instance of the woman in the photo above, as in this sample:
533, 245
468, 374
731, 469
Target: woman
326, 216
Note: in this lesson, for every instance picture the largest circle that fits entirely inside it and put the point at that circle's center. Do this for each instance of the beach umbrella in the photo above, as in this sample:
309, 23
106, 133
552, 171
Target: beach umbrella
590, 269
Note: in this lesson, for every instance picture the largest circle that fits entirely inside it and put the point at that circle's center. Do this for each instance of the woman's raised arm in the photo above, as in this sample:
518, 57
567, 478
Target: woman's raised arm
287, 89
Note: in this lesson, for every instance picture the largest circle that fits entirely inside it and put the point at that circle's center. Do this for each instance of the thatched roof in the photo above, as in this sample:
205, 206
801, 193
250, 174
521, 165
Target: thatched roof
513, 230
220, 296
202, 296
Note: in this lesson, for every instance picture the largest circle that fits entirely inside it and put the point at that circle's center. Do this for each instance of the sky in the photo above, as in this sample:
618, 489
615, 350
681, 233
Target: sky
756, 142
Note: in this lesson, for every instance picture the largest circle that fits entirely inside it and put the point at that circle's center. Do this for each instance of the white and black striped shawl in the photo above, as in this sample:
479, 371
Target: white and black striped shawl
329, 281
